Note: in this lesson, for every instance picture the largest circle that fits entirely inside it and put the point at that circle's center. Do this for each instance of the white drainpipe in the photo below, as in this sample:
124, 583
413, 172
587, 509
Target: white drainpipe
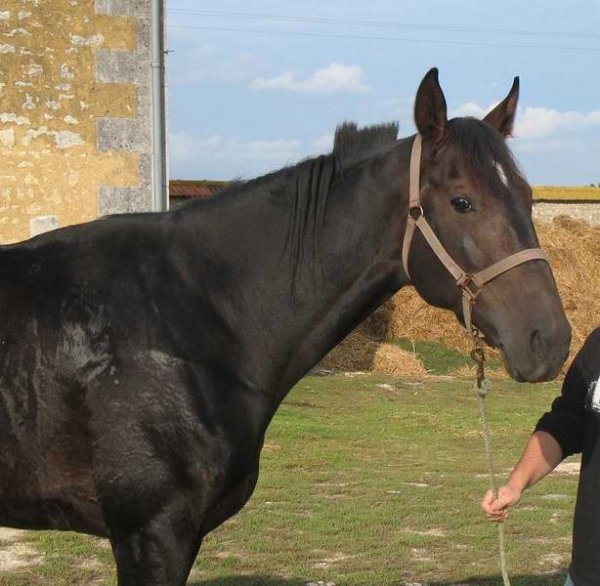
160, 185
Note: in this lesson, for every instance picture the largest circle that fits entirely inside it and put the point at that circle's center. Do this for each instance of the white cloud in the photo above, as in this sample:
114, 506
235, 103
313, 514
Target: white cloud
538, 129
197, 63
534, 123
334, 78
542, 146
222, 157
469, 109
229, 157
323, 144
183, 147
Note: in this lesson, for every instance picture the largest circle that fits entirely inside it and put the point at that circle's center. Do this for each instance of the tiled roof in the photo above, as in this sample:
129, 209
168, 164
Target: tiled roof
184, 188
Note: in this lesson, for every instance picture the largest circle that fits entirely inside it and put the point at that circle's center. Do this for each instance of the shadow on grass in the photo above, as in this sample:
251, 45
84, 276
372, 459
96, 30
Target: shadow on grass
556, 579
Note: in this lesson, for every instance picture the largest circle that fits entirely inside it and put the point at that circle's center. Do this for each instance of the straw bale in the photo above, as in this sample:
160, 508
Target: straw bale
359, 351
574, 250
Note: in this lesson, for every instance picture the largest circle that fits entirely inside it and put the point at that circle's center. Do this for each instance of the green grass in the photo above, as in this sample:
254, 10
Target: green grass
439, 359
370, 481
436, 358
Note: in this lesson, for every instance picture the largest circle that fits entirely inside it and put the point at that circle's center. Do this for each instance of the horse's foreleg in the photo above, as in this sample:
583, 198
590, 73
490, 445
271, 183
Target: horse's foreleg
159, 553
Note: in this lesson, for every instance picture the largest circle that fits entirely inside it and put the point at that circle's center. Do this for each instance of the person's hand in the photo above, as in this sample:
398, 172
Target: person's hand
496, 509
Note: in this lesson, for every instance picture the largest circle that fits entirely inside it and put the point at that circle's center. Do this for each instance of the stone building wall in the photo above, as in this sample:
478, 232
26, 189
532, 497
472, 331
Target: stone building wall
75, 112
588, 211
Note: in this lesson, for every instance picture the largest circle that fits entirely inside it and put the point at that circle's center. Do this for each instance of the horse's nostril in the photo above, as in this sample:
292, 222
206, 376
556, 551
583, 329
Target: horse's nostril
536, 342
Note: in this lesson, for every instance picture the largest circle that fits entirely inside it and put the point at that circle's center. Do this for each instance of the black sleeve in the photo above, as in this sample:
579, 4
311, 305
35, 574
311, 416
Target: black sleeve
565, 420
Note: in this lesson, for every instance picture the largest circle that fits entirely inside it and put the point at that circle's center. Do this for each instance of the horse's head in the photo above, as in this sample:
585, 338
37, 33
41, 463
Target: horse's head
479, 206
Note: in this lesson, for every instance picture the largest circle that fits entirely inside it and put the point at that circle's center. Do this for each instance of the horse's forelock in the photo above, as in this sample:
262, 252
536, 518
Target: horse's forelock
484, 151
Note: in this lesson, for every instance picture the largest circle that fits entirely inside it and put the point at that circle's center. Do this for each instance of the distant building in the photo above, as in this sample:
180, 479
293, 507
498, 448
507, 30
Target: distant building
579, 203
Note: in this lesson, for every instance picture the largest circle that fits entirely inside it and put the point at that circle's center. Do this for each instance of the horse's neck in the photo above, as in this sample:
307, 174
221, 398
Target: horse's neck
284, 320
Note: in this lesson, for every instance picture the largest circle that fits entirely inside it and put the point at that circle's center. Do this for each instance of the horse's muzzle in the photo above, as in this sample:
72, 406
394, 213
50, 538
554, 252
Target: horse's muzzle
542, 357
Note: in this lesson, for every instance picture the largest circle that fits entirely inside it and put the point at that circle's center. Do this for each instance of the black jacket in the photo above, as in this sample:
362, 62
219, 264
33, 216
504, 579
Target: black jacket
574, 421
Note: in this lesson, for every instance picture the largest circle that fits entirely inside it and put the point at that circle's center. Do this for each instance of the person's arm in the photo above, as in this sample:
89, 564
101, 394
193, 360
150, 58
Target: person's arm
542, 454
558, 433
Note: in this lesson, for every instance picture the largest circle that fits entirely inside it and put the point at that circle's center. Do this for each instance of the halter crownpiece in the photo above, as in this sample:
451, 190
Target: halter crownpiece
470, 284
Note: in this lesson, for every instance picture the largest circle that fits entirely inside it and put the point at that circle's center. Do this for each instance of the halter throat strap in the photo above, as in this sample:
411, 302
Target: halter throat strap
470, 284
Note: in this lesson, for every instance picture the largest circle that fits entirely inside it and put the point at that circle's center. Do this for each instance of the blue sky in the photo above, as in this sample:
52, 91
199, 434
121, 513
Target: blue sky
257, 85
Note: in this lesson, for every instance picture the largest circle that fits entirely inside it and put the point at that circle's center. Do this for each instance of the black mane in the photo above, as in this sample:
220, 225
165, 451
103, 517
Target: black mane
351, 143
308, 183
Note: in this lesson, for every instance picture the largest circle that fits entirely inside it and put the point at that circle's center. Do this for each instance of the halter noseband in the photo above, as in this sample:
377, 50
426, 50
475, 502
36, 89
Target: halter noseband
471, 284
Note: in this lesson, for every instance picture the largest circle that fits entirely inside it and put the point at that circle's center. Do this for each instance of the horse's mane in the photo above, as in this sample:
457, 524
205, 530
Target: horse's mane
308, 183
483, 149
352, 143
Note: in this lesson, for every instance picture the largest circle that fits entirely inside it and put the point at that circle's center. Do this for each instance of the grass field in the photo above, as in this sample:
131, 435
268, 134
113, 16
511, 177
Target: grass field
366, 481
566, 193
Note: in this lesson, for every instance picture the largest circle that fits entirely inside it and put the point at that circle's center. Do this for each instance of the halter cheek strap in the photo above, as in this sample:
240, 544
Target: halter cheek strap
470, 284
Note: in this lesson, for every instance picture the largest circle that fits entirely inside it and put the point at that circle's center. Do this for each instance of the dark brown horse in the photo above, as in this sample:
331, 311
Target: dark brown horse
142, 357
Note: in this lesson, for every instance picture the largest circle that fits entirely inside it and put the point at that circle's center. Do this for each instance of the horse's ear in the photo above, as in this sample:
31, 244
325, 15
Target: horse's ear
430, 107
502, 117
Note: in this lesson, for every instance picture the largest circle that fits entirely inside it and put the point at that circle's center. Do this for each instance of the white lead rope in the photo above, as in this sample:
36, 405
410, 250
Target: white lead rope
482, 386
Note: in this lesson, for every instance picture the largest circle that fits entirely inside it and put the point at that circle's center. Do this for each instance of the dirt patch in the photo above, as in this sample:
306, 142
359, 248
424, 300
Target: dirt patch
420, 554
333, 560
14, 554
554, 497
570, 468
553, 560
435, 532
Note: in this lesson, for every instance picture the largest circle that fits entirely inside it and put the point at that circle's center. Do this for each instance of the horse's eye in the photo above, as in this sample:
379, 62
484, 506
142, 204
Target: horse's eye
462, 204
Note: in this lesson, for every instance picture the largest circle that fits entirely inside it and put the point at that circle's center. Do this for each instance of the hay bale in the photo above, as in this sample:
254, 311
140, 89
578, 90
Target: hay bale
410, 317
574, 250
359, 351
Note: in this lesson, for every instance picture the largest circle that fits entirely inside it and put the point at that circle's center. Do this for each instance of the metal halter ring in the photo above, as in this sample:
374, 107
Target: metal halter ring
465, 282
416, 212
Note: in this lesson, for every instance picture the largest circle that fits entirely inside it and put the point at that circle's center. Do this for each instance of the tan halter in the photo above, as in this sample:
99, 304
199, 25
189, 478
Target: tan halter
471, 284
